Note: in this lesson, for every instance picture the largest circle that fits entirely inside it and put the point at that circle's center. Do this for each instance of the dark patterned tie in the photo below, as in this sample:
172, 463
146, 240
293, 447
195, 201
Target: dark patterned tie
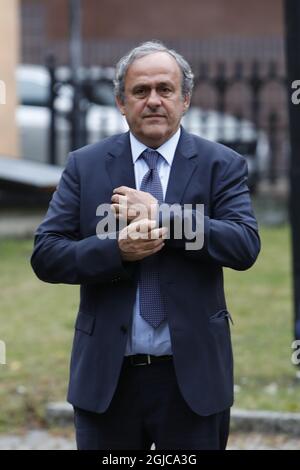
152, 306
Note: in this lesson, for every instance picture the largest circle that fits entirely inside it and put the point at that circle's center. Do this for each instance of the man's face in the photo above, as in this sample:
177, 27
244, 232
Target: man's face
153, 103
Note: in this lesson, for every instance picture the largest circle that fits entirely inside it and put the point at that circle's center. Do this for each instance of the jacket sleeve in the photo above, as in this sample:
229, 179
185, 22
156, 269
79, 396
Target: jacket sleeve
230, 234
60, 253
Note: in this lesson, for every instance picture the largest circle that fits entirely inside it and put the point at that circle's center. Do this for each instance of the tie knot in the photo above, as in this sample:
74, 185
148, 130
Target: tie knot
151, 158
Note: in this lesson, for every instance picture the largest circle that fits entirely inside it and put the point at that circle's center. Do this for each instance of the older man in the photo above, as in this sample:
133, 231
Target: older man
152, 359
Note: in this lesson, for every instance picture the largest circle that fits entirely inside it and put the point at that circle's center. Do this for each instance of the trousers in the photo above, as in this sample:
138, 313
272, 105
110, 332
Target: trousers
148, 408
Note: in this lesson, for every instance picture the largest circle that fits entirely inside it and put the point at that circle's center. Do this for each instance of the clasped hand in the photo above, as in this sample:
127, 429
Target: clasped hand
141, 237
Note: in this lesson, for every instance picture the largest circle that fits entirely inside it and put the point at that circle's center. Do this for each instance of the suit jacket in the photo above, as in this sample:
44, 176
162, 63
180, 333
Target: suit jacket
67, 250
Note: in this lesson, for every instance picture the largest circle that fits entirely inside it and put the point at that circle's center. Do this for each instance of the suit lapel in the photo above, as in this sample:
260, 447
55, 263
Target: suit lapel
182, 168
119, 164
120, 168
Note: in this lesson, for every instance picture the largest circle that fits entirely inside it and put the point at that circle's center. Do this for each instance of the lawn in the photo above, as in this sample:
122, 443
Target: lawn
37, 326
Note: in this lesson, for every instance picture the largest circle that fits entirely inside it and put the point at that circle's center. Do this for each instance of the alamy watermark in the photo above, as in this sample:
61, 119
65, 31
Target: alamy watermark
184, 222
295, 358
296, 94
2, 92
2, 352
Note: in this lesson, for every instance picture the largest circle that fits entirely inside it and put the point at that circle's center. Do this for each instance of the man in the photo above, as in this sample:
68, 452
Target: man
152, 359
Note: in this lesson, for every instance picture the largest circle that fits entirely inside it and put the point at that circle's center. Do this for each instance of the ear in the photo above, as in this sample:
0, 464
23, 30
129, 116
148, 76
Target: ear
186, 103
120, 105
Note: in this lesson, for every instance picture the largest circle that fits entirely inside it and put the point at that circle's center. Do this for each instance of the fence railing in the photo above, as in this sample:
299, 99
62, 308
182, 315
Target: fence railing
242, 106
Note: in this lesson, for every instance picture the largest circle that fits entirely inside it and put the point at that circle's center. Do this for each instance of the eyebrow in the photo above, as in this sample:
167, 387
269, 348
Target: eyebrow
146, 85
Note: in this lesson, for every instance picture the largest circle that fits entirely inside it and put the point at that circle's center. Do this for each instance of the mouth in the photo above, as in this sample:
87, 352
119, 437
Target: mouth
154, 116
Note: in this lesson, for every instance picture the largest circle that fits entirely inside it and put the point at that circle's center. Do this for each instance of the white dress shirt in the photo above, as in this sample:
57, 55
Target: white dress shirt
143, 338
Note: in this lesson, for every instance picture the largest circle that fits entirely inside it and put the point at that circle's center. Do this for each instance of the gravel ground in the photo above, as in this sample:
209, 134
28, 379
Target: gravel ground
257, 441
43, 440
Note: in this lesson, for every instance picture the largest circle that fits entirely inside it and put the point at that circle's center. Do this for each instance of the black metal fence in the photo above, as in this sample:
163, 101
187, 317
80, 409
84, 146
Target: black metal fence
241, 78
255, 92
241, 105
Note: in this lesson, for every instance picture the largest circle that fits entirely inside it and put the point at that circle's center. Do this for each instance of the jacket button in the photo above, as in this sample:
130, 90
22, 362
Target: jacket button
124, 329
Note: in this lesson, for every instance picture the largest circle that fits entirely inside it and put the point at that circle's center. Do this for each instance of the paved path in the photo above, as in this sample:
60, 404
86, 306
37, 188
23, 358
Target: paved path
43, 440
36, 440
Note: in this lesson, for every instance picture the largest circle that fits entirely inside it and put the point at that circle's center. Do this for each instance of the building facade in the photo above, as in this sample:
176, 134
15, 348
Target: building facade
206, 29
9, 57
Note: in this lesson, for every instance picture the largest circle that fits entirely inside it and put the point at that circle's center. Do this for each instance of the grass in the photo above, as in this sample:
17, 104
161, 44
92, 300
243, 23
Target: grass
37, 326
261, 302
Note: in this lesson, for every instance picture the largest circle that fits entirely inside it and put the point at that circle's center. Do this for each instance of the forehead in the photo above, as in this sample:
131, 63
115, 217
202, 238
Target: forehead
159, 66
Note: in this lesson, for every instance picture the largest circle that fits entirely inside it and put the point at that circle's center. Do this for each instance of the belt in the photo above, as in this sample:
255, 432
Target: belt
145, 359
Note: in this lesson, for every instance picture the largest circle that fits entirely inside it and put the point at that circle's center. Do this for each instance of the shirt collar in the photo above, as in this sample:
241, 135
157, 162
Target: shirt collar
167, 149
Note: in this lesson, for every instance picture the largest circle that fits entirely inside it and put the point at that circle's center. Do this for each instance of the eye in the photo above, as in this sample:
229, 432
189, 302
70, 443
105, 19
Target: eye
165, 90
140, 92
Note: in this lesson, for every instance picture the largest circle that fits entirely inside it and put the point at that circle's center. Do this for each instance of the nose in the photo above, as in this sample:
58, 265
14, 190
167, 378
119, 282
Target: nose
154, 99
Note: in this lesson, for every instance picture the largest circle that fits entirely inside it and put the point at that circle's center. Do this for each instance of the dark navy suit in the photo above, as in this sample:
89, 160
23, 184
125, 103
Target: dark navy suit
67, 250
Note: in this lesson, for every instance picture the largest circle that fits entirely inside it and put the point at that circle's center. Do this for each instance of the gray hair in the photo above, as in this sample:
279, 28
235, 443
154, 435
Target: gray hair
150, 47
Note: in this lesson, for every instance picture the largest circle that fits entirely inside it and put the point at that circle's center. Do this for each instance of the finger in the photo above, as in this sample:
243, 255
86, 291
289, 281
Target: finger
122, 190
148, 228
119, 212
116, 208
153, 244
115, 198
118, 198
138, 235
140, 232
140, 229
140, 210
158, 233
164, 232
142, 225
133, 256
142, 253
135, 212
140, 245
145, 253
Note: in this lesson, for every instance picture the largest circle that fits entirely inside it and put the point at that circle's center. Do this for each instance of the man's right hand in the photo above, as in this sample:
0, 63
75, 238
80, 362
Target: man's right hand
141, 239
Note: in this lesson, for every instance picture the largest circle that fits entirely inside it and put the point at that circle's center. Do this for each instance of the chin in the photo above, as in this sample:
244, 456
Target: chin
156, 134
154, 141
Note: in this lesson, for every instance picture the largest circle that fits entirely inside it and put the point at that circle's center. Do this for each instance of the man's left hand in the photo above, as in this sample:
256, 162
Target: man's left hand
131, 204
